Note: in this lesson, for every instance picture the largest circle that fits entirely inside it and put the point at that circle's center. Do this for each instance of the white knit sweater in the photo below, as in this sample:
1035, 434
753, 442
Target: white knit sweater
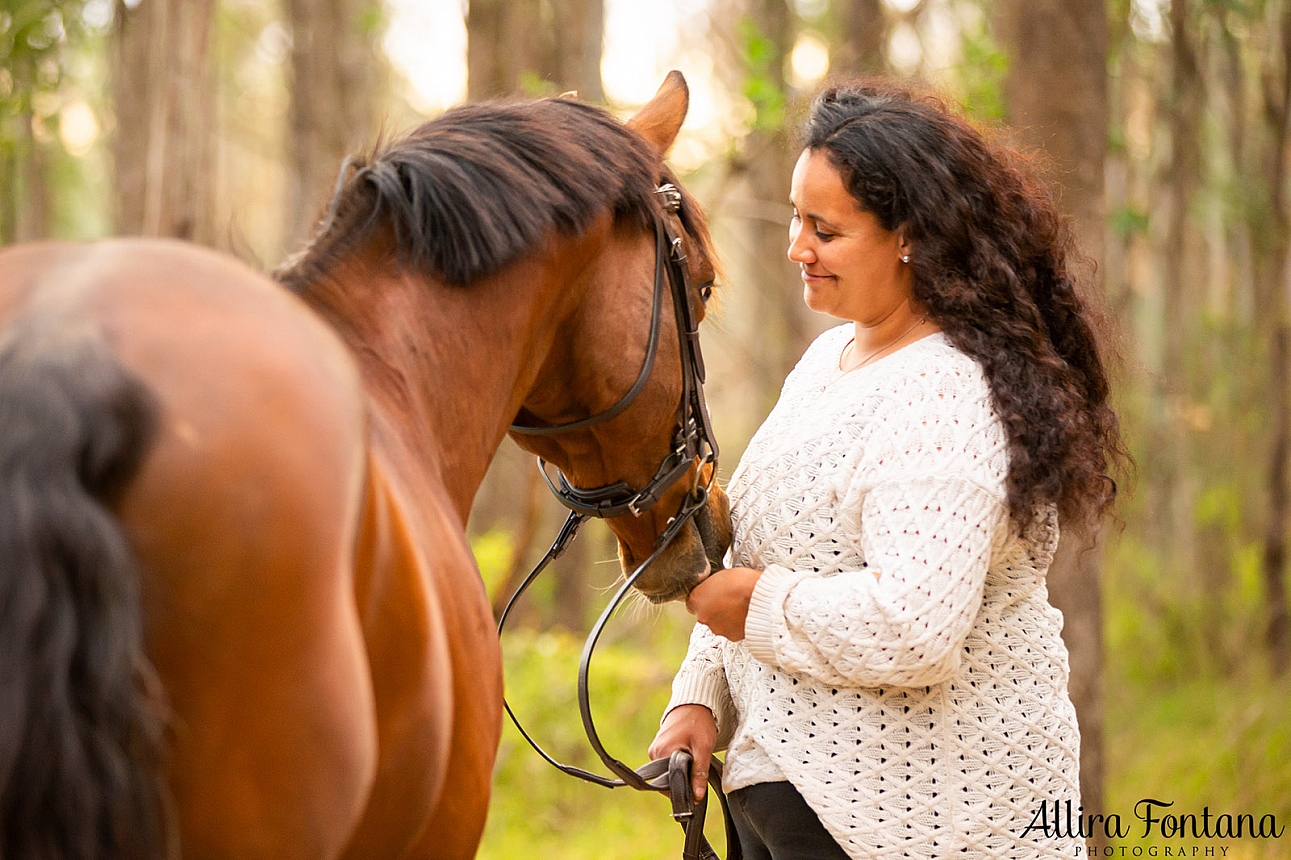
902, 666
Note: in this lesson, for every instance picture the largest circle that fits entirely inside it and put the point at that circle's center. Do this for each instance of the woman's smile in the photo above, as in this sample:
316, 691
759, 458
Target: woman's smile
851, 266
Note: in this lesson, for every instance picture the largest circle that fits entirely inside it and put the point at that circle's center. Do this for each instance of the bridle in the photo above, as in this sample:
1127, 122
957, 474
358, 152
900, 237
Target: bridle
693, 440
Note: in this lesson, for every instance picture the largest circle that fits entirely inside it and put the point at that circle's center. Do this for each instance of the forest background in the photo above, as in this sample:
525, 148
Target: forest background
1163, 125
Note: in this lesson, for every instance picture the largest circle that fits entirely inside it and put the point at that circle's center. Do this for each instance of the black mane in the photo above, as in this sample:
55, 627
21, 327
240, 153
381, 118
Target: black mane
468, 192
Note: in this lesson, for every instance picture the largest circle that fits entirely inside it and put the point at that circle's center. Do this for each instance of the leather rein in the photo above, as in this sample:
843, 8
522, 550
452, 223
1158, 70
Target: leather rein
693, 440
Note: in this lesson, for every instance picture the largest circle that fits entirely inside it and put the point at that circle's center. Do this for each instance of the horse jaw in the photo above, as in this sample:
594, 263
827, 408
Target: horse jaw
659, 119
698, 549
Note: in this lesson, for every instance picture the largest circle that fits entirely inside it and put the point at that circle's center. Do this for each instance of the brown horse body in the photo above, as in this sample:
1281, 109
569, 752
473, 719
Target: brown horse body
296, 483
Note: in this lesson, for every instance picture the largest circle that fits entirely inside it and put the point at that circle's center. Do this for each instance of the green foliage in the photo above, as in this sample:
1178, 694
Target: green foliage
51, 57
763, 76
534, 85
1129, 220
493, 551
539, 812
34, 38
981, 76
373, 21
1217, 743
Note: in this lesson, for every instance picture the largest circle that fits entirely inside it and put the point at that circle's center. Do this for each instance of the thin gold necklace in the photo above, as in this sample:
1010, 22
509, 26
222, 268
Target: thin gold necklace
839, 373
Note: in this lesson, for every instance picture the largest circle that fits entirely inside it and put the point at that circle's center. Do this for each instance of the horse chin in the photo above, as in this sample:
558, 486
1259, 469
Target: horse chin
678, 569
697, 550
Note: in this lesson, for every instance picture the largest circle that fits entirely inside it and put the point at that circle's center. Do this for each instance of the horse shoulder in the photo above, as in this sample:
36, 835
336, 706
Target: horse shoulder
406, 638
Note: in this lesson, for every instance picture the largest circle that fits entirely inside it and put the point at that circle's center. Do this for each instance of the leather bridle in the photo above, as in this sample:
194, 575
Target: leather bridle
694, 437
692, 441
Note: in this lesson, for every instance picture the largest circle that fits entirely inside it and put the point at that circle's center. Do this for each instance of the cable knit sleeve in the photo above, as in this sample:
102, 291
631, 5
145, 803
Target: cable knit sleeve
702, 681
926, 505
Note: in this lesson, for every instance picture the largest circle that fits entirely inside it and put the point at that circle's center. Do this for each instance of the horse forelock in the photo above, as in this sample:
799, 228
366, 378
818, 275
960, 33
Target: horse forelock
469, 192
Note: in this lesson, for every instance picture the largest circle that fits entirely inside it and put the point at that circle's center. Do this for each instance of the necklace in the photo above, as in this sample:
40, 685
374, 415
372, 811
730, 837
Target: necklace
839, 373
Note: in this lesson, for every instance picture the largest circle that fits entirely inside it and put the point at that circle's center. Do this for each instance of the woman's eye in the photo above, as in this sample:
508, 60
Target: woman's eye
823, 236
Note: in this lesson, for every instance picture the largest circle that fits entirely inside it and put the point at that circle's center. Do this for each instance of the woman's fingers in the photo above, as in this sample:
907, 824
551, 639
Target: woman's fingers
692, 728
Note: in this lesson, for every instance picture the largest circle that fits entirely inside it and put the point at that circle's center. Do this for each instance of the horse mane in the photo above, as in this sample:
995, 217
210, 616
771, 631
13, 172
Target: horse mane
470, 191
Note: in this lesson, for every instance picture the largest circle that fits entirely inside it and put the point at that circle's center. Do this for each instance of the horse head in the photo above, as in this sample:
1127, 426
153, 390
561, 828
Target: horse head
618, 407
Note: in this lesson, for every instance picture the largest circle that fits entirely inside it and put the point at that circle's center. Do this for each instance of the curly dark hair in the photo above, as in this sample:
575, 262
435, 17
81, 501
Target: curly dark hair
994, 265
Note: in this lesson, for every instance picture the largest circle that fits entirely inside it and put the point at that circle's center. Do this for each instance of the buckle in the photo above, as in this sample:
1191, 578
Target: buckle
671, 196
632, 506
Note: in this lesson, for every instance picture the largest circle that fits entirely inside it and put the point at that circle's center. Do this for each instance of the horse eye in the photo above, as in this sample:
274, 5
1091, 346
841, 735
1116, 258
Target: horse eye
706, 292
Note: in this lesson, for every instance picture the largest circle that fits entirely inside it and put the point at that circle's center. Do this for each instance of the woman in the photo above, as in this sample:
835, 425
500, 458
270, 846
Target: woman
881, 661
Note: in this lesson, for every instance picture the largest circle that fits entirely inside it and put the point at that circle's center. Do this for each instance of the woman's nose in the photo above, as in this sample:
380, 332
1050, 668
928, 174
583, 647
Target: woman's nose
799, 248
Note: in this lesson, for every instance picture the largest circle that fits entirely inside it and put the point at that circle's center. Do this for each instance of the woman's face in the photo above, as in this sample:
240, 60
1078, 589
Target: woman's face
851, 266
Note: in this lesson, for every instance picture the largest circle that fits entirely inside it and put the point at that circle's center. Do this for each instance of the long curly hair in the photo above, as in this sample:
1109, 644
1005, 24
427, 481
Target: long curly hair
994, 264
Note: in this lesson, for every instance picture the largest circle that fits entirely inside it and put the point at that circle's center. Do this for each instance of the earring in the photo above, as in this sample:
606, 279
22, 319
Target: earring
905, 258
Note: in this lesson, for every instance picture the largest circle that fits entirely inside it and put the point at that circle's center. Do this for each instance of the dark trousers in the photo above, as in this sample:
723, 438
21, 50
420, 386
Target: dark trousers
775, 823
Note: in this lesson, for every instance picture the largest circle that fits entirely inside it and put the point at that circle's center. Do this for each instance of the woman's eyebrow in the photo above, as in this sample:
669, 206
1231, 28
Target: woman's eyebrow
812, 215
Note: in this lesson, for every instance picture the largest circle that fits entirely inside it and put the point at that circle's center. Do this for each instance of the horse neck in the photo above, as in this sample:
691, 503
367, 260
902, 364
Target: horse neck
447, 368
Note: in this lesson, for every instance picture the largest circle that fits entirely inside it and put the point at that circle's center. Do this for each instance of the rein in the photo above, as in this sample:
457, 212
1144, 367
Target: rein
693, 439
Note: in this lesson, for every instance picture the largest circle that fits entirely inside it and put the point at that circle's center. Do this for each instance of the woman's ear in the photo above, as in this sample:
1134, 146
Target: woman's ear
904, 245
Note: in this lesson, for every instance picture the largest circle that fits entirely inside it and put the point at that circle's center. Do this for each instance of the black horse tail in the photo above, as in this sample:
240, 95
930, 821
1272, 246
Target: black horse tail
82, 719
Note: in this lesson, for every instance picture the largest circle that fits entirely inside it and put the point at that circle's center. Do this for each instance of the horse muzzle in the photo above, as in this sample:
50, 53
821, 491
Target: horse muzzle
698, 549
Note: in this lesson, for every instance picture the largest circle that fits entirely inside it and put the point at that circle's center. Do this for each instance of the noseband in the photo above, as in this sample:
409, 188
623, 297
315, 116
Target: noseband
693, 440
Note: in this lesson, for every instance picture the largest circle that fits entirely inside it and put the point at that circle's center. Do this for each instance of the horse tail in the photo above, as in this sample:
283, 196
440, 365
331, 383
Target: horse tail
82, 717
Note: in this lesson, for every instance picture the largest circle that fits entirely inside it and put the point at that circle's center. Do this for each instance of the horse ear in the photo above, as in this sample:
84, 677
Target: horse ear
572, 95
660, 119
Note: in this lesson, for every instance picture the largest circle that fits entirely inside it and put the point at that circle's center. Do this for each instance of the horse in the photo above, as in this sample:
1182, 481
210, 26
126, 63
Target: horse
239, 615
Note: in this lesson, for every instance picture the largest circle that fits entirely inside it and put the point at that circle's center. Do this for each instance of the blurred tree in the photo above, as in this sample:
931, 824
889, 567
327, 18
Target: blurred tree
579, 45
863, 31
336, 71
1271, 240
771, 314
34, 42
540, 47
1181, 285
163, 91
1060, 46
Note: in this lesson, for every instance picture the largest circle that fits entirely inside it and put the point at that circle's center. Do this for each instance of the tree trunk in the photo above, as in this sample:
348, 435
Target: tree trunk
1273, 249
580, 39
1180, 289
541, 47
776, 321
536, 47
1274, 557
1060, 46
164, 143
334, 69
863, 29
26, 214
524, 539
8, 196
31, 197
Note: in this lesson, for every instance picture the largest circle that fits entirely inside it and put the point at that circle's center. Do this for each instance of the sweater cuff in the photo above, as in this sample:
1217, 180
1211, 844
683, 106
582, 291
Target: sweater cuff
699, 688
766, 611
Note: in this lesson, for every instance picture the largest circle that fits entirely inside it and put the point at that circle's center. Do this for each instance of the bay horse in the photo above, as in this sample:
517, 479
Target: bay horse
239, 616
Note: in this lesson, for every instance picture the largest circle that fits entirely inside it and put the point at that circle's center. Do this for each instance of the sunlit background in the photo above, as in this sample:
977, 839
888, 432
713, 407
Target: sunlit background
1187, 226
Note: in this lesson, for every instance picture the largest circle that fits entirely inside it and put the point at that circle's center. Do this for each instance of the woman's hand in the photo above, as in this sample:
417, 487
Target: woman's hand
721, 602
691, 728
